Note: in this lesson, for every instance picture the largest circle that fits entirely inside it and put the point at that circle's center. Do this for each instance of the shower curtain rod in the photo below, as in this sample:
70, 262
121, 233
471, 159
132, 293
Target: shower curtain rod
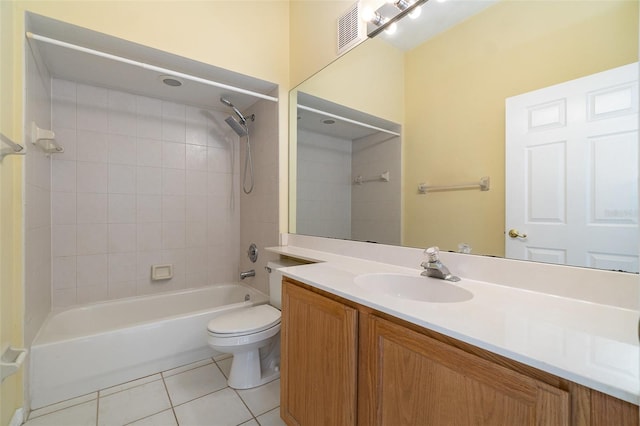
149, 66
348, 120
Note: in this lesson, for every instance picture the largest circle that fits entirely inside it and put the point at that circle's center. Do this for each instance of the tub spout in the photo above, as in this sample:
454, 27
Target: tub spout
247, 274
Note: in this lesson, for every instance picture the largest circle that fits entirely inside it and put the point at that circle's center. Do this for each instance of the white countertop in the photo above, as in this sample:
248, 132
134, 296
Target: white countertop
588, 343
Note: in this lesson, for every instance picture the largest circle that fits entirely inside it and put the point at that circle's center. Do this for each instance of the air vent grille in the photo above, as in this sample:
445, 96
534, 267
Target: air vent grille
351, 29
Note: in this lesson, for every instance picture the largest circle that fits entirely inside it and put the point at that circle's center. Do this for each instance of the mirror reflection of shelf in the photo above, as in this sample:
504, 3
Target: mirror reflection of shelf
45, 140
14, 148
383, 177
483, 185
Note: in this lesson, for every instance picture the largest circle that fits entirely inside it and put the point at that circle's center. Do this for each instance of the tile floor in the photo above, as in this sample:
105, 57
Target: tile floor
192, 395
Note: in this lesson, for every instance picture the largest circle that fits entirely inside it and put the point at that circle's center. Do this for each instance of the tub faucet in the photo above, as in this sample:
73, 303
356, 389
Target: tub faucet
434, 268
247, 274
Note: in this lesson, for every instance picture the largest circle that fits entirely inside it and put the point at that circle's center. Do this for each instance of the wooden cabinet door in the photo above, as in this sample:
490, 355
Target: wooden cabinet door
319, 355
417, 380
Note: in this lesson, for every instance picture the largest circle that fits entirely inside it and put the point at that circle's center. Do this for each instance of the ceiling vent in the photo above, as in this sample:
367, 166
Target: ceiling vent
351, 29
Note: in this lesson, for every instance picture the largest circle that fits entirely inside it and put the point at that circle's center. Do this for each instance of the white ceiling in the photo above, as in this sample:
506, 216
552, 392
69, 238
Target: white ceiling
86, 68
437, 16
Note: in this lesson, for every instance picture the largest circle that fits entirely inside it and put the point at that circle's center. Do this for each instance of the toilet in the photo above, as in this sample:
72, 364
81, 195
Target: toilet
252, 336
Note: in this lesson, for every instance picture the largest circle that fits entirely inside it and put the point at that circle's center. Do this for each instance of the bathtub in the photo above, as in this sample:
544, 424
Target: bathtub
87, 348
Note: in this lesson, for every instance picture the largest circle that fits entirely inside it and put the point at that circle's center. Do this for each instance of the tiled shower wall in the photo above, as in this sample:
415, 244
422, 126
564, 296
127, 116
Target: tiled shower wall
329, 204
37, 205
323, 185
376, 206
141, 182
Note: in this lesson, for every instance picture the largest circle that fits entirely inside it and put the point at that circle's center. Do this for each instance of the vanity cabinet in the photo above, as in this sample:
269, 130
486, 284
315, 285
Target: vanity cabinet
319, 359
418, 380
347, 364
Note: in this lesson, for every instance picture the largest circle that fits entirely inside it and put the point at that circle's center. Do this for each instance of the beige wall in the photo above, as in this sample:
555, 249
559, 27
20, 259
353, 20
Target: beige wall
11, 270
313, 29
456, 85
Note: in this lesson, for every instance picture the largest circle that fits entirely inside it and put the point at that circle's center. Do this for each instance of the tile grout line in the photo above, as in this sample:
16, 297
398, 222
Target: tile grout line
166, 389
237, 393
97, 407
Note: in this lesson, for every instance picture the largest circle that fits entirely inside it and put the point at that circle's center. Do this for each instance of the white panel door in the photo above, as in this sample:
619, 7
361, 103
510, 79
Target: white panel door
572, 172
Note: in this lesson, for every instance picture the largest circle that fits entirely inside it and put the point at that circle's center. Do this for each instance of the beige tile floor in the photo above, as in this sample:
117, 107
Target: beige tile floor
192, 395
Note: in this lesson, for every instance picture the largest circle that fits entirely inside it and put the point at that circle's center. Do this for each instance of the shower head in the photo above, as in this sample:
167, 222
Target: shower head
228, 103
238, 127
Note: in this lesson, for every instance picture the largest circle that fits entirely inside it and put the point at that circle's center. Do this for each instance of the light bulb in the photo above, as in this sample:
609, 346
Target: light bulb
391, 29
368, 14
416, 12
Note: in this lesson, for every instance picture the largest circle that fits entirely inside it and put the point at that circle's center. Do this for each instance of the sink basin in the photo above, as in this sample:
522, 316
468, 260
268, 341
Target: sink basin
413, 287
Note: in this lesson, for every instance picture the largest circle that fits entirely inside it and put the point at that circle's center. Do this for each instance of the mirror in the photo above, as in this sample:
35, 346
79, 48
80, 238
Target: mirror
447, 97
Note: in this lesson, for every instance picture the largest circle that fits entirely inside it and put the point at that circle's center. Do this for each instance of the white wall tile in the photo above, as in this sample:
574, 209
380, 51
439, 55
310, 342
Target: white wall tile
173, 122
173, 181
122, 268
63, 240
63, 208
63, 176
92, 108
122, 113
196, 234
122, 208
149, 117
92, 294
92, 270
197, 125
122, 149
149, 236
91, 239
196, 208
122, 237
64, 112
64, 272
141, 180
92, 177
173, 208
68, 139
63, 89
92, 208
196, 157
120, 289
91, 146
149, 152
149, 180
62, 298
219, 160
196, 182
173, 235
146, 259
149, 208
122, 179
173, 155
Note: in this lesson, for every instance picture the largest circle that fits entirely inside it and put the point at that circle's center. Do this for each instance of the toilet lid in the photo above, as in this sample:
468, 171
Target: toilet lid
249, 320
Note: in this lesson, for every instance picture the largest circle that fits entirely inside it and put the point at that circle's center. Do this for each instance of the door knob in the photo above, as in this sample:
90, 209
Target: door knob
513, 233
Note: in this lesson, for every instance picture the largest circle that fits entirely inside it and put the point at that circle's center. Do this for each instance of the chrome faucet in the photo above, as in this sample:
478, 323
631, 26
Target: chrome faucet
434, 268
247, 274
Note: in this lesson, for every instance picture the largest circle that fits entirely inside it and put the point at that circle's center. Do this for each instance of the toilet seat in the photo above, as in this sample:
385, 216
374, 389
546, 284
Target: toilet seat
244, 321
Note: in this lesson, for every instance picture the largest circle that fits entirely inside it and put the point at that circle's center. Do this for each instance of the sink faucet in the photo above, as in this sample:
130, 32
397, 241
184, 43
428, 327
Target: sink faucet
434, 268
247, 274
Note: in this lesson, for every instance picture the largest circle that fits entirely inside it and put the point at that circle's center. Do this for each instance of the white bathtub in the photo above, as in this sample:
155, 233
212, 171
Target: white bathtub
87, 348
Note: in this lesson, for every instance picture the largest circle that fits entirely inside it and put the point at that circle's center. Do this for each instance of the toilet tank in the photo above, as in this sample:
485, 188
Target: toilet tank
275, 280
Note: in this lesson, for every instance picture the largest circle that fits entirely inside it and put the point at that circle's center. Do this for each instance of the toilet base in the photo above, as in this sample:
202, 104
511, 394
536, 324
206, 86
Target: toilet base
255, 367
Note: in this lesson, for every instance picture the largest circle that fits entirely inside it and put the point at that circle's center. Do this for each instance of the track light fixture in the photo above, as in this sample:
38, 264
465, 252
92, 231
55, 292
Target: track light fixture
386, 16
